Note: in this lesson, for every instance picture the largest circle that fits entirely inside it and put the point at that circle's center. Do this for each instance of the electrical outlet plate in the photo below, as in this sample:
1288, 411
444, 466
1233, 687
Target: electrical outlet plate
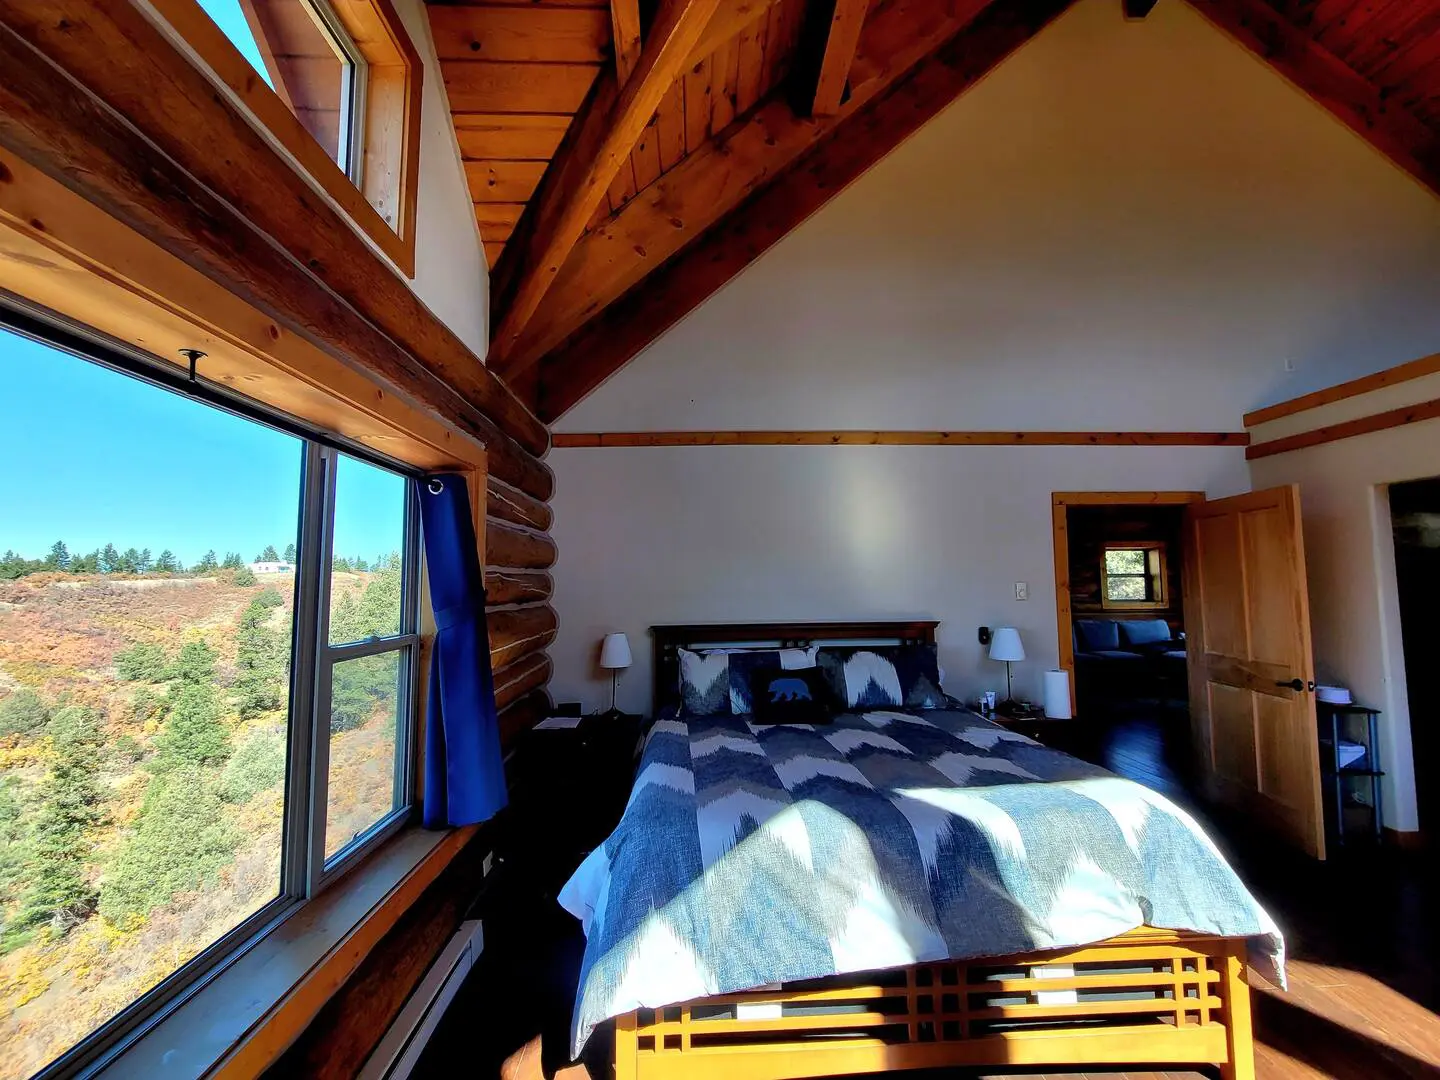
486, 866
1022, 590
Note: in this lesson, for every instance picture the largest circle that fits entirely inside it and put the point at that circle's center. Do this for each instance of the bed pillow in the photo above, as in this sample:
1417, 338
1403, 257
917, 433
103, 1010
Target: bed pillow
743, 664
704, 683
789, 696
884, 676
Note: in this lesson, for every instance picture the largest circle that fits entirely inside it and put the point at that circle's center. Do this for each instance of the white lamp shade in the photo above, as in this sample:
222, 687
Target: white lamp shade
1005, 644
615, 651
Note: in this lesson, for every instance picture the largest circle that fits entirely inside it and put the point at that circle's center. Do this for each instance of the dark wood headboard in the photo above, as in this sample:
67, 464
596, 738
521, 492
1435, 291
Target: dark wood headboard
669, 640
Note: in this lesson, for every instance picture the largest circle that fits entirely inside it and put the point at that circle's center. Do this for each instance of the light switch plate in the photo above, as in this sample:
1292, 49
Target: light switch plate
1022, 590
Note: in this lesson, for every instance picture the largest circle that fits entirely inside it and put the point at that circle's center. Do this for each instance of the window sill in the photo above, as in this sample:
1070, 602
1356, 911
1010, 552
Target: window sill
243, 1019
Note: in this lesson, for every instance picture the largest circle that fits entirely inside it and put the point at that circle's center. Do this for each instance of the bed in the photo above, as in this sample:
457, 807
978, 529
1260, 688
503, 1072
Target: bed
901, 889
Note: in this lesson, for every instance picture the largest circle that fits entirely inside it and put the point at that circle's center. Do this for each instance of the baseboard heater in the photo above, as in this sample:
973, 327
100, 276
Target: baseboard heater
403, 1044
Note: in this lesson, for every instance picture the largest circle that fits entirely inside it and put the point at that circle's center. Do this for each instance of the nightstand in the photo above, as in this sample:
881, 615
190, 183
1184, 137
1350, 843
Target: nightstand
1066, 735
568, 788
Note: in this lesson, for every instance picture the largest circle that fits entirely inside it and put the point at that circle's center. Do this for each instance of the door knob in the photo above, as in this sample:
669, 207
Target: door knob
1298, 685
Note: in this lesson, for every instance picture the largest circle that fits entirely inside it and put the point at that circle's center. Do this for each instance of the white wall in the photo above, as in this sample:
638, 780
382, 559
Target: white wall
701, 534
1350, 556
1127, 226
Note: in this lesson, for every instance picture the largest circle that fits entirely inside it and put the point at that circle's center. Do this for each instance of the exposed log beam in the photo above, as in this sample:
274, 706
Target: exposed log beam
504, 586
1351, 98
607, 343
127, 64
66, 132
606, 130
512, 505
625, 31
712, 181
510, 545
521, 677
841, 42
519, 631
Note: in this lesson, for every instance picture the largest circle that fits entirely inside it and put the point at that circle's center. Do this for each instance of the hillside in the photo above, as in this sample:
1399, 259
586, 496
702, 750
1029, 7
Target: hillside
142, 760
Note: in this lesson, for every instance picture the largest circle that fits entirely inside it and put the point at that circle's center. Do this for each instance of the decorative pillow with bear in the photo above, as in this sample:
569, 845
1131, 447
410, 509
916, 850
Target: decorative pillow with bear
789, 696
884, 676
716, 681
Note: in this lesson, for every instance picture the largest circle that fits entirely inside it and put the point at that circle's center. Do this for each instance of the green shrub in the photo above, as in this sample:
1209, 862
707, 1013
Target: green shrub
180, 843
22, 713
142, 662
258, 764
194, 734
195, 664
244, 577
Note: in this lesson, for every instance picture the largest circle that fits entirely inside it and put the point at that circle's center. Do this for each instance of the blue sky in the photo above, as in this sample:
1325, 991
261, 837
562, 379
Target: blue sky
231, 20
92, 457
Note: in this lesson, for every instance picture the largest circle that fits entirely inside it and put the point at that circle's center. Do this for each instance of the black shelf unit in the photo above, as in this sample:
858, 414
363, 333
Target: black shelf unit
1339, 724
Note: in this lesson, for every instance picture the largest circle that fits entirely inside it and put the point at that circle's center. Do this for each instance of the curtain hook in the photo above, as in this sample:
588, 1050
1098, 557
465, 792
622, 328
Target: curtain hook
435, 487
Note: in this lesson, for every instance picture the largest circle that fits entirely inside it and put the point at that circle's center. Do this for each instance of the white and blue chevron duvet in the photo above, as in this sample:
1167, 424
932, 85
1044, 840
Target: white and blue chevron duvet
751, 855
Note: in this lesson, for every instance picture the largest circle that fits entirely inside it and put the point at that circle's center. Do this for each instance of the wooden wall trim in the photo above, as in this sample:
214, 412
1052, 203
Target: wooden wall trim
900, 438
1365, 425
98, 98
1365, 384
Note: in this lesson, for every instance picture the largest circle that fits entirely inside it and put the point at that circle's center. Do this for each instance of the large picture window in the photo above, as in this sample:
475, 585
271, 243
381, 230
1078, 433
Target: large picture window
208, 653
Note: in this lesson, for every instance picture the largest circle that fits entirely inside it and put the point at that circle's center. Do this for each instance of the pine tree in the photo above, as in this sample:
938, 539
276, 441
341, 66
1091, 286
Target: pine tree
130, 561
268, 555
109, 559
22, 712
86, 564
341, 564
195, 734
59, 557
290, 553
233, 561
207, 562
262, 656
195, 664
361, 565
180, 843
142, 662
145, 562
167, 563
71, 805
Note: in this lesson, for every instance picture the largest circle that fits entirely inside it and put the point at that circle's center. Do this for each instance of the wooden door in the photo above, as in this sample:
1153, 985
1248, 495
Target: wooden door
1252, 689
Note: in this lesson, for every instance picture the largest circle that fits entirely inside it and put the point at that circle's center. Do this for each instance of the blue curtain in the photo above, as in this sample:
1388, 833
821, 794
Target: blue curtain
464, 772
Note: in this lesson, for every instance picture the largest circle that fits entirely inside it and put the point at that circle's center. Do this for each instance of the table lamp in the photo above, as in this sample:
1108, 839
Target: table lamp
614, 656
1005, 645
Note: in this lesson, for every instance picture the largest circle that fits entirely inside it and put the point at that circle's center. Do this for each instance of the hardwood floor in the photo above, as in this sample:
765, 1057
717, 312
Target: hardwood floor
1361, 930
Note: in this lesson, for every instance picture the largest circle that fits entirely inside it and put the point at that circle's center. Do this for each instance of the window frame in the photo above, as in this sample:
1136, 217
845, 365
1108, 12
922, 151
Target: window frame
378, 186
304, 874
1155, 571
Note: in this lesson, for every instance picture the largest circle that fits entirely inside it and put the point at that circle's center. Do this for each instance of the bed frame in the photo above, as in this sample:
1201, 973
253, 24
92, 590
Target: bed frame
1148, 997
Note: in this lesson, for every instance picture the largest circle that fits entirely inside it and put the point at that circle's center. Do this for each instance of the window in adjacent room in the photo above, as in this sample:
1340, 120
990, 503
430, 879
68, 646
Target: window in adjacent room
348, 73
1132, 575
208, 649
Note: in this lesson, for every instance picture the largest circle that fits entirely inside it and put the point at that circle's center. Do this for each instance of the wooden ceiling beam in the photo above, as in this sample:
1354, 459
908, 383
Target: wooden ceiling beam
625, 31
1351, 98
841, 41
606, 129
713, 180
607, 343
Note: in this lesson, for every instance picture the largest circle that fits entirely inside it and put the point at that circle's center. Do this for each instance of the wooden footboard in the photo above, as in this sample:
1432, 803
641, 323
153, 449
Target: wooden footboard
1146, 997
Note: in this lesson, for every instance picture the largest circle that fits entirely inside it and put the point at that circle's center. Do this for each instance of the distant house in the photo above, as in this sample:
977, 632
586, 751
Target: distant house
272, 568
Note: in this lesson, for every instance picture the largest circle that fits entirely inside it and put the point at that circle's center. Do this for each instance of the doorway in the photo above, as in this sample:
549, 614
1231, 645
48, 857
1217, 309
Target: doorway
1119, 561
1415, 520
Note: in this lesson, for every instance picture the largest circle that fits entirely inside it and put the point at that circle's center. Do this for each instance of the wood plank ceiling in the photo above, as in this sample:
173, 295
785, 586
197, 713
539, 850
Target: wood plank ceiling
617, 188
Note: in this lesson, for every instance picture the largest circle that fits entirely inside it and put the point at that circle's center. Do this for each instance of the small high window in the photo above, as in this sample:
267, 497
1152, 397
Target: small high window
1132, 575
338, 87
306, 55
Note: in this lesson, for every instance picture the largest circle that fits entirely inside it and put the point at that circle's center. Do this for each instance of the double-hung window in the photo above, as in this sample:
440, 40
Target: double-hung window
208, 680
1132, 575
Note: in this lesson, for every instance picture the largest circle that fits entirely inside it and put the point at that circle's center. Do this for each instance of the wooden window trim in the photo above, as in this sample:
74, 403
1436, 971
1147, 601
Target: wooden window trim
392, 116
1155, 570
